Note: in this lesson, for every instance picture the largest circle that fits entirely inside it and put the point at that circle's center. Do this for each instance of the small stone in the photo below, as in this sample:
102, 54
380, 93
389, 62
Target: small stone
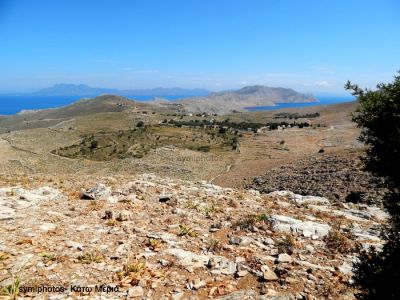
6, 213
177, 296
346, 268
142, 283
122, 250
178, 211
240, 259
242, 241
241, 273
284, 258
198, 284
98, 192
310, 249
264, 290
135, 292
112, 199
291, 280
268, 274
268, 241
123, 216
239, 295
154, 285
235, 240
311, 277
164, 262
47, 227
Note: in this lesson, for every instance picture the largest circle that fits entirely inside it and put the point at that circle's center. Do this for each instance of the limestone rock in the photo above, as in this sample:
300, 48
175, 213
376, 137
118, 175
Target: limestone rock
284, 258
135, 292
268, 274
307, 228
98, 192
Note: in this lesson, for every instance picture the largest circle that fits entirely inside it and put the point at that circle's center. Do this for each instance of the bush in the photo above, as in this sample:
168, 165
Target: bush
203, 148
377, 273
140, 124
354, 197
337, 242
222, 130
286, 244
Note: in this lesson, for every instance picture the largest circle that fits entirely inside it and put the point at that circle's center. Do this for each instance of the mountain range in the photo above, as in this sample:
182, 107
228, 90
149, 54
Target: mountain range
63, 89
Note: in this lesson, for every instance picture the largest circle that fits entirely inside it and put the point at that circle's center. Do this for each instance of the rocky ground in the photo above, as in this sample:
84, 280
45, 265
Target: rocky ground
157, 238
337, 176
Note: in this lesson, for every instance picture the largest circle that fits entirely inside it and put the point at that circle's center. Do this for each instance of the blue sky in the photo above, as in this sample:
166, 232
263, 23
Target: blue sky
309, 45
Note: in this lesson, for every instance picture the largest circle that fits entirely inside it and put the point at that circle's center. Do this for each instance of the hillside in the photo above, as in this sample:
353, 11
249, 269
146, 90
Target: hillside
77, 200
227, 102
160, 238
86, 107
101, 136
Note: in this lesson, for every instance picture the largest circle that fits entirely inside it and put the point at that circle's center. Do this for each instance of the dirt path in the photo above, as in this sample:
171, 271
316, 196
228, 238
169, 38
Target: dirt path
18, 148
228, 168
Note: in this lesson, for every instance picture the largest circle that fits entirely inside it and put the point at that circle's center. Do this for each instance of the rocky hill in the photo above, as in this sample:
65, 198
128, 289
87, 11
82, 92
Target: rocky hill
148, 237
82, 108
258, 95
339, 176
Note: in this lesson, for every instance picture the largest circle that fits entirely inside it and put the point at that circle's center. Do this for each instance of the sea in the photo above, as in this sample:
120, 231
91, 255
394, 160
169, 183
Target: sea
323, 100
12, 104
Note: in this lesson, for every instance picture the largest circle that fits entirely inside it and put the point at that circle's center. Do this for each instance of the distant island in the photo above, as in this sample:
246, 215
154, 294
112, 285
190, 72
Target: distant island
64, 89
194, 100
179, 99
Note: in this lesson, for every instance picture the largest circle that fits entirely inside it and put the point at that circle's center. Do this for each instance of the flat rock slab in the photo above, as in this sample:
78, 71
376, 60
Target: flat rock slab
307, 228
299, 199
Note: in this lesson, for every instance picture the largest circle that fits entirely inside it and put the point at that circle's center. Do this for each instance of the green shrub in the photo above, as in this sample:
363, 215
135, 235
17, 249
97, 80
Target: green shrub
377, 273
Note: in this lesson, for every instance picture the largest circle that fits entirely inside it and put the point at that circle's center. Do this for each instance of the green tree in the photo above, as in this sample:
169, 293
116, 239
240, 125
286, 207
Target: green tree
377, 273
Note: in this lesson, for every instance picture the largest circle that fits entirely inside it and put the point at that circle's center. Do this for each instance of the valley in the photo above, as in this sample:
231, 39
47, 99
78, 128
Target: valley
114, 134
185, 204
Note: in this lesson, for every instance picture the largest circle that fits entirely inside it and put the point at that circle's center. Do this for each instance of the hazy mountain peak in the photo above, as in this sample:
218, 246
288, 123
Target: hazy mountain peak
252, 89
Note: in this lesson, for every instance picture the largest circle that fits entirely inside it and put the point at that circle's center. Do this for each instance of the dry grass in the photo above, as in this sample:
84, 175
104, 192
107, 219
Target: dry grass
24, 242
96, 205
154, 244
338, 242
286, 244
250, 221
246, 223
186, 231
4, 256
47, 257
135, 266
112, 222
90, 257
213, 245
12, 291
